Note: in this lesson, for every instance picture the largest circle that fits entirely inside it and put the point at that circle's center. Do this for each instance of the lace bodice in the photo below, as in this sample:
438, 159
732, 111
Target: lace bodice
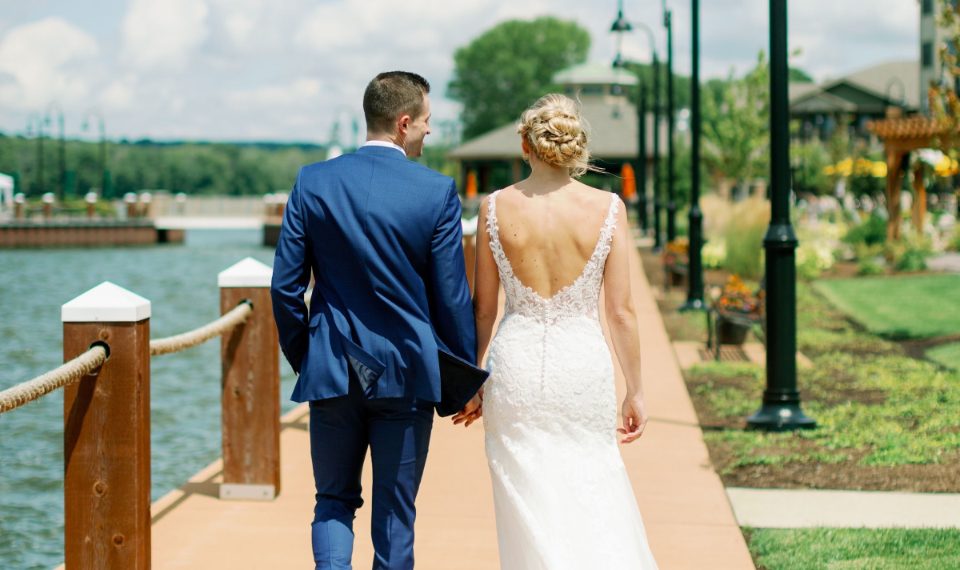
580, 298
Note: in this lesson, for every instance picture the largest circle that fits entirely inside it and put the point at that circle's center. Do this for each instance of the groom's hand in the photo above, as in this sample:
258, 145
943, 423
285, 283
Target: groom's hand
471, 412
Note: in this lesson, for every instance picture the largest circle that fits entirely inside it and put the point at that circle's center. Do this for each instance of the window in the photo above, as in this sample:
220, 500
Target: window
926, 54
927, 7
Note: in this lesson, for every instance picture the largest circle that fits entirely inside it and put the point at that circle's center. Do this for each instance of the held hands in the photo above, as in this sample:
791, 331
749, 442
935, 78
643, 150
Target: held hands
634, 414
471, 412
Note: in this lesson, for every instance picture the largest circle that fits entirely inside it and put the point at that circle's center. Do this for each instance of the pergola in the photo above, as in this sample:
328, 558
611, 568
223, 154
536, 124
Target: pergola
900, 136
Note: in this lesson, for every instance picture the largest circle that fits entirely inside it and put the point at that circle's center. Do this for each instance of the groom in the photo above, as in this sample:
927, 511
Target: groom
382, 236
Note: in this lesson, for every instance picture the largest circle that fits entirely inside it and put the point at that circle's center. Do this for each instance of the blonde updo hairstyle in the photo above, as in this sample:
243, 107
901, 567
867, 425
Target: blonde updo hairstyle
557, 134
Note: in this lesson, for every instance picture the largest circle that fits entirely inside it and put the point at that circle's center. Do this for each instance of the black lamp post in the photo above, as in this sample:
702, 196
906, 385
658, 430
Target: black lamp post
105, 190
62, 187
781, 401
695, 272
621, 26
36, 121
671, 197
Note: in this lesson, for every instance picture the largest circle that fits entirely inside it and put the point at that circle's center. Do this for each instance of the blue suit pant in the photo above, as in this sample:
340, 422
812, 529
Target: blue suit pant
397, 432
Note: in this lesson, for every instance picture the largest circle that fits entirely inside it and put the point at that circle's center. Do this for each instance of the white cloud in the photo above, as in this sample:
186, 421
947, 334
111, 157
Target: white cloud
299, 92
163, 34
119, 94
41, 61
264, 69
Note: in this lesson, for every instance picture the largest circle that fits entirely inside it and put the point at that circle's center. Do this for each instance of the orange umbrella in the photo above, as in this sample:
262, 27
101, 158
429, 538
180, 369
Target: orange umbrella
471, 190
628, 188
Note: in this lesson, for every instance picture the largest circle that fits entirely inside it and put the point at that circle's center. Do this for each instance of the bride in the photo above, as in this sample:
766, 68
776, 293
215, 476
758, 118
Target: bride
561, 493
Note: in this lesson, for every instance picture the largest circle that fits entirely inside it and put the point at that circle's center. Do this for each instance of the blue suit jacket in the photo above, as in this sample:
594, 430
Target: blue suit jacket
382, 236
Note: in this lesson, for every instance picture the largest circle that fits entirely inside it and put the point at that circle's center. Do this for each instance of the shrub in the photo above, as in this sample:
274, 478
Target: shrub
813, 259
714, 254
910, 253
744, 238
869, 266
954, 243
872, 231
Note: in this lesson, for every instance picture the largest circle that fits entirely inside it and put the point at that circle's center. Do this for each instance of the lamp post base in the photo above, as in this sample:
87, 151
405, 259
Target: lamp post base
693, 305
780, 417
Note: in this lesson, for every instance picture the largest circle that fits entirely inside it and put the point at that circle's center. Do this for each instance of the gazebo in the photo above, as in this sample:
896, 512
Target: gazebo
606, 108
900, 136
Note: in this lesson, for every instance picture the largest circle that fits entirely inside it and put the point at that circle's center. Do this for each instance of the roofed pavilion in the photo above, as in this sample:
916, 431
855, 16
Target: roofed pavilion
611, 116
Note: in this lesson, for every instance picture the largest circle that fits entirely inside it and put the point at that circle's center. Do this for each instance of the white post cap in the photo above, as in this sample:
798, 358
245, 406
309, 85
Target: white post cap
469, 226
90, 197
19, 198
106, 303
130, 197
48, 198
246, 273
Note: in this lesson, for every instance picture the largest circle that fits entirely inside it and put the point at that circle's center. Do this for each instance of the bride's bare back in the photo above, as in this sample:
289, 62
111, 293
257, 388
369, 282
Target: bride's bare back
550, 234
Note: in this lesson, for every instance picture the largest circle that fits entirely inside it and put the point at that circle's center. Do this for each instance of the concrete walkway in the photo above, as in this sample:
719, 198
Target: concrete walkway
688, 517
799, 508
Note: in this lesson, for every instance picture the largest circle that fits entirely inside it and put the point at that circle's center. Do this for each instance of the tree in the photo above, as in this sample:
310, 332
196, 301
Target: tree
798, 75
736, 127
501, 72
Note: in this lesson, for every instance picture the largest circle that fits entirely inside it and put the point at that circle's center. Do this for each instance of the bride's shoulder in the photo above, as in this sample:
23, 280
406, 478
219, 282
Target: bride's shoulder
594, 198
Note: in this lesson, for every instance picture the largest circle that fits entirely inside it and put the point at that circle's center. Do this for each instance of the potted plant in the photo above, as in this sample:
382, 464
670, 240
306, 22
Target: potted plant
738, 309
675, 261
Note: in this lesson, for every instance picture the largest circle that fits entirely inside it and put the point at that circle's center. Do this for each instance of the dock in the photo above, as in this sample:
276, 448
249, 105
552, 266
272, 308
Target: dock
689, 521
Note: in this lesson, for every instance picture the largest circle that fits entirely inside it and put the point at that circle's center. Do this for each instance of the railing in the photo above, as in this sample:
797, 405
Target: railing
106, 381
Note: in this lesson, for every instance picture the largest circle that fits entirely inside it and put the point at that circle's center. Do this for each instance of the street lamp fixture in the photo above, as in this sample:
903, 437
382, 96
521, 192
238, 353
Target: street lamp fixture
51, 108
780, 409
619, 27
695, 216
671, 112
105, 189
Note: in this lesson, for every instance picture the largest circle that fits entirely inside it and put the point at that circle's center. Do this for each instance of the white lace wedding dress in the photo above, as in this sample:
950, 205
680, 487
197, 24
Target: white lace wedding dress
562, 497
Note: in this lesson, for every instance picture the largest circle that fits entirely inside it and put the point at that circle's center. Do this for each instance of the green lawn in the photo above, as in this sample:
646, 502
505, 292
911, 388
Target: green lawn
848, 549
917, 306
881, 414
947, 355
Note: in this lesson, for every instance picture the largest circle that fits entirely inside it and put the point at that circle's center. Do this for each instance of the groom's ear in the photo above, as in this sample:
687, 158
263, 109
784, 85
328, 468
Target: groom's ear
403, 123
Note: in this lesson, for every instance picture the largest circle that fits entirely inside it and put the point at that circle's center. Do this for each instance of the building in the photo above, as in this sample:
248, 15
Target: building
855, 99
612, 119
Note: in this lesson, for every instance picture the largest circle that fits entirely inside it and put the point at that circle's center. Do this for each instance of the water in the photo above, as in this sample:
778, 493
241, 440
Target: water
181, 283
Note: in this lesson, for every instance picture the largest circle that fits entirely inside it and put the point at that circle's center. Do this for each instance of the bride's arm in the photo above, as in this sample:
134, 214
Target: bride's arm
622, 320
486, 286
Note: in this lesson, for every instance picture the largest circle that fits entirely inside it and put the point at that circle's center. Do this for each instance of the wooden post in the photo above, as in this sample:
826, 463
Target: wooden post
919, 206
106, 439
894, 179
250, 360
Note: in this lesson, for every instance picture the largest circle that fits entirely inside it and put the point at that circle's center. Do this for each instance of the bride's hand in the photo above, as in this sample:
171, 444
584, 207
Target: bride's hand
471, 412
634, 414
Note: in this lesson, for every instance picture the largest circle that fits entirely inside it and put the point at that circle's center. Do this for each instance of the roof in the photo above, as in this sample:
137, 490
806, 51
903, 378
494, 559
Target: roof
868, 90
895, 80
906, 128
612, 135
594, 74
817, 101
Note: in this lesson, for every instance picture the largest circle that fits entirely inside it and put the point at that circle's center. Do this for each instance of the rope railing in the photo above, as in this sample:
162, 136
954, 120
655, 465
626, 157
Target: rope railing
67, 374
74, 370
237, 316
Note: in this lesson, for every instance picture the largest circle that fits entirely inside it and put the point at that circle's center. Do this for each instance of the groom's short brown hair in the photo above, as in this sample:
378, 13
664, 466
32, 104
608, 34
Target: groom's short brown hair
390, 95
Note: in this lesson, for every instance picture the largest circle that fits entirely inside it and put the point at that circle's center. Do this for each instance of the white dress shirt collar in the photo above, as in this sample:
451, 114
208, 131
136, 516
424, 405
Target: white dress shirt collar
386, 144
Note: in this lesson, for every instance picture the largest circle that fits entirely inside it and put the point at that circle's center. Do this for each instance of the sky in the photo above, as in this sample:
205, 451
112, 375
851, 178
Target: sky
287, 70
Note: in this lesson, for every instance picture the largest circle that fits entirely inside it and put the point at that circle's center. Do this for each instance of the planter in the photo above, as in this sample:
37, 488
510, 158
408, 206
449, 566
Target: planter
732, 328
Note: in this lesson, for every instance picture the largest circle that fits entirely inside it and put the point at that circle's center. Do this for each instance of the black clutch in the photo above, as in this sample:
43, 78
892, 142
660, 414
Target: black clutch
459, 382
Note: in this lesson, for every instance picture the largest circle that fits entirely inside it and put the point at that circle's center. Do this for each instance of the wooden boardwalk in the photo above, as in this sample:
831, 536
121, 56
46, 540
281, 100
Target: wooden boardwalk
688, 517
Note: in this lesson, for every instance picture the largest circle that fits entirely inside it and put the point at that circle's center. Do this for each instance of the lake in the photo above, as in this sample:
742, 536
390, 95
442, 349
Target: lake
181, 283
